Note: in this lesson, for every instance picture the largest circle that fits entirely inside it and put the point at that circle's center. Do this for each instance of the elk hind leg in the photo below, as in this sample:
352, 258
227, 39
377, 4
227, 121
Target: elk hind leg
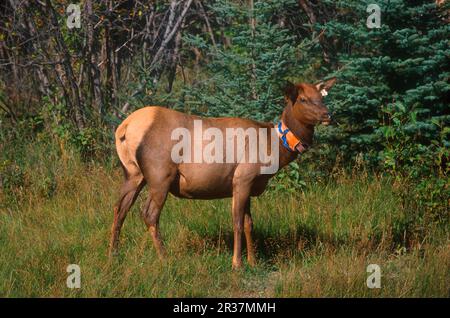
129, 192
151, 213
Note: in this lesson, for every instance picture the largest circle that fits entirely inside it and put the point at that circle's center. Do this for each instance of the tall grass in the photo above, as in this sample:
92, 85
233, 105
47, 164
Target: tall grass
57, 210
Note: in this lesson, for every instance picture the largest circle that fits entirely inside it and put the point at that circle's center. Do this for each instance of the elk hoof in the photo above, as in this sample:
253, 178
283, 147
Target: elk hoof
162, 253
113, 252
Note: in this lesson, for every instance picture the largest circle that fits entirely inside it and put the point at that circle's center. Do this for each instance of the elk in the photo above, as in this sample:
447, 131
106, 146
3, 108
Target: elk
144, 146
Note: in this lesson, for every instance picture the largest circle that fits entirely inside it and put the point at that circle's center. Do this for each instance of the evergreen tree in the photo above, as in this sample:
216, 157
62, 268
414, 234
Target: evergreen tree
392, 97
246, 78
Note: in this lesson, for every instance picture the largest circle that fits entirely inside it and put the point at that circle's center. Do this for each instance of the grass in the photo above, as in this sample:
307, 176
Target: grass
313, 243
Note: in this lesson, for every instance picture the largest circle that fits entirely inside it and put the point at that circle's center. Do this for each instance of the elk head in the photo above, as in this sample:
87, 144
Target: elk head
306, 101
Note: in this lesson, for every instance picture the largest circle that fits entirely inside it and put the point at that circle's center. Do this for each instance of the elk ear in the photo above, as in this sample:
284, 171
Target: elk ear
290, 91
324, 86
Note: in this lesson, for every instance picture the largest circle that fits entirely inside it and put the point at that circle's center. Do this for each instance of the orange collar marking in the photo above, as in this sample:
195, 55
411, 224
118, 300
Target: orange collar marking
288, 139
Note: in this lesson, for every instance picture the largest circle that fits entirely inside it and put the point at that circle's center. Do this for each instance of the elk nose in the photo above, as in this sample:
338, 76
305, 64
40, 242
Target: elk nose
326, 116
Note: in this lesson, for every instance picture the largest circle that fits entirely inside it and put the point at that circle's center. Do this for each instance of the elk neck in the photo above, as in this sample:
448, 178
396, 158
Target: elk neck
301, 130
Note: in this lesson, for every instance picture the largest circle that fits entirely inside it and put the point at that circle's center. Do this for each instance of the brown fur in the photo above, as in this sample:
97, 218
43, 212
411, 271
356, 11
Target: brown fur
144, 145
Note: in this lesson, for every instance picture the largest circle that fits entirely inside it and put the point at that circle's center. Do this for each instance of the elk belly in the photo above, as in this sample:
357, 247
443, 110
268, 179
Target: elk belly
204, 181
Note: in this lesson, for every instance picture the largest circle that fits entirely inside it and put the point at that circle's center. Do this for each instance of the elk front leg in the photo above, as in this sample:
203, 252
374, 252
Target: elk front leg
248, 228
240, 198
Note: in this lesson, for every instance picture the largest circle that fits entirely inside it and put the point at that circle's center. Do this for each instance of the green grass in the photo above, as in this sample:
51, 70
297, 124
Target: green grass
314, 243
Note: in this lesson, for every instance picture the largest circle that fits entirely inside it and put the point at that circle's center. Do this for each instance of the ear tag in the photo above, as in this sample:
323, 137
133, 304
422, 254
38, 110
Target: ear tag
324, 92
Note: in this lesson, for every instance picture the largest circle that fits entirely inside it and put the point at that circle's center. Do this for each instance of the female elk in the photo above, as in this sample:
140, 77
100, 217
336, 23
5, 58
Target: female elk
145, 147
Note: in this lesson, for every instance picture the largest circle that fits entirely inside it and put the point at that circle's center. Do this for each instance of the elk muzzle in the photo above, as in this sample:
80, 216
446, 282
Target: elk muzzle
326, 119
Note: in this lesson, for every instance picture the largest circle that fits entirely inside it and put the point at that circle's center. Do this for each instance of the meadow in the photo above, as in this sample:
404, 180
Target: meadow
373, 189
315, 242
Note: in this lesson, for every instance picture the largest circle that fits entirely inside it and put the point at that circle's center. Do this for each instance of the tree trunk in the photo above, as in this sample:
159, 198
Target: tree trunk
44, 84
111, 66
91, 59
208, 25
173, 62
66, 62
306, 6
170, 31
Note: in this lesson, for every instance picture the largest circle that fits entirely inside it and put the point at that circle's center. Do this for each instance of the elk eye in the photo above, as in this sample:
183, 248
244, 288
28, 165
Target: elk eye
302, 99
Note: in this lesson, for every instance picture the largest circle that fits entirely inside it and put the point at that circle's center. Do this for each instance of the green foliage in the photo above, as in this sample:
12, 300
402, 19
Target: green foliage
392, 95
431, 196
92, 142
11, 177
289, 180
245, 80
403, 149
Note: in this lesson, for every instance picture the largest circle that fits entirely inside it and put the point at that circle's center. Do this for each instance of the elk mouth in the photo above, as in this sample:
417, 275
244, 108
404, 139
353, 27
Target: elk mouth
326, 121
